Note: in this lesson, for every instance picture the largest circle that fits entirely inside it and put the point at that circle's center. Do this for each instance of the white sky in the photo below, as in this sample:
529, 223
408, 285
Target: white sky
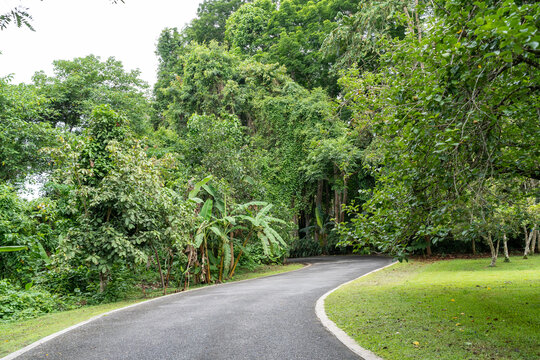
66, 29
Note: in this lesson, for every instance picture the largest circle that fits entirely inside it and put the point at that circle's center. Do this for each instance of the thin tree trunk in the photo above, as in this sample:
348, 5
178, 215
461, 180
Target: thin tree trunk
428, 246
505, 244
344, 202
537, 241
318, 211
239, 254
527, 242
102, 282
191, 256
231, 244
295, 221
336, 205
492, 249
534, 239
159, 267
171, 258
208, 277
473, 247
220, 277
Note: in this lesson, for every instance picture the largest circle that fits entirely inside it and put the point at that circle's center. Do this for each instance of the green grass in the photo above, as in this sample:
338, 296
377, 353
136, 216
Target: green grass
452, 309
16, 335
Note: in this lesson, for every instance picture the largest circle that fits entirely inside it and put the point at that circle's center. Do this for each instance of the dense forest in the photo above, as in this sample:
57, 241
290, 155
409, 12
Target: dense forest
275, 129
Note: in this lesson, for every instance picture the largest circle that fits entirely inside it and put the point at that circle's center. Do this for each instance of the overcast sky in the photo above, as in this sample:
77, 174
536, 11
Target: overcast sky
66, 29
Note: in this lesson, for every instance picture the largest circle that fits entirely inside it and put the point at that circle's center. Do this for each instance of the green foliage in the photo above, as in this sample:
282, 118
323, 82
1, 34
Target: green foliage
22, 132
17, 304
290, 34
19, 231
247, 28
18, 15
83, 83
452, 120
117, 199
210, 21
356, 40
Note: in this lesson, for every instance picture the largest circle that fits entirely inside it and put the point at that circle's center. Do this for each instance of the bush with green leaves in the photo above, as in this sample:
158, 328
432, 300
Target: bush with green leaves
18, 228
18, 304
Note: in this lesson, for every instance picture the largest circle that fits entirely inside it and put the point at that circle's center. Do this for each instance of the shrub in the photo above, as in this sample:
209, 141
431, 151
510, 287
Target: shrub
17, 304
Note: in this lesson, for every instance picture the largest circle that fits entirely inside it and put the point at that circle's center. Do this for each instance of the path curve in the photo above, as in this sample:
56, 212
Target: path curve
267, 318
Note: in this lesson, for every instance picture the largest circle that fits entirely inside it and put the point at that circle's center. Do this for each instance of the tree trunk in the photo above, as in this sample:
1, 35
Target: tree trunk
239, 254
208, 277
192, 257
336, 205
344, 202
428, 246
474, 247
295, 221
102, 282
221, 264
318, 211
492, 249
159, 268
505, 244
231, 244
527, 242
318, 198
534, 239
537, 241
171, 258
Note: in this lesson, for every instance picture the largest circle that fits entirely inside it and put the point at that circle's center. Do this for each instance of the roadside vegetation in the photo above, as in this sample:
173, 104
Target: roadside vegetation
15, 335
275, 129
447, 309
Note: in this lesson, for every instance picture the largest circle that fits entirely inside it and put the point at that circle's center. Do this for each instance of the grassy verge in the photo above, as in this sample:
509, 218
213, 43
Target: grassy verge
16, 335
455, 309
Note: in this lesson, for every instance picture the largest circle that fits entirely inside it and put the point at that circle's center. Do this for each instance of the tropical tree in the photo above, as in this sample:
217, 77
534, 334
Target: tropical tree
122, 212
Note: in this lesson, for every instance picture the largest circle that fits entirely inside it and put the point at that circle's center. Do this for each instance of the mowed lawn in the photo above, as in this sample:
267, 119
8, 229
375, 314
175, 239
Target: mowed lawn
451, 309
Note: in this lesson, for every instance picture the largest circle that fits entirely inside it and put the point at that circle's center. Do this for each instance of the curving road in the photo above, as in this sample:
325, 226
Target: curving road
267, 318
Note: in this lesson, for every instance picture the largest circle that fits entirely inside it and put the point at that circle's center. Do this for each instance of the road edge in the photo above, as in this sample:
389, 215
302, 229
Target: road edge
336, 331
41, 341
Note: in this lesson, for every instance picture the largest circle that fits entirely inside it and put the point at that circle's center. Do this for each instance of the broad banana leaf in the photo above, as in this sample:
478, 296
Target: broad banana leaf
193, 193
206, 211
12, 248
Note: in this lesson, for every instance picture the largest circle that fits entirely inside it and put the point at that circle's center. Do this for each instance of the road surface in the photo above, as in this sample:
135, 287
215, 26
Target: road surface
268, 318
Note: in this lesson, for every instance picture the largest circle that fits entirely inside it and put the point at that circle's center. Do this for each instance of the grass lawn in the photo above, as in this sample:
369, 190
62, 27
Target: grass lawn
451, 309
16, 335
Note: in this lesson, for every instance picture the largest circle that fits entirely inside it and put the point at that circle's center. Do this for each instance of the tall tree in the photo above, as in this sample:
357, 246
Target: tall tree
82, 83
22, 131
449, 118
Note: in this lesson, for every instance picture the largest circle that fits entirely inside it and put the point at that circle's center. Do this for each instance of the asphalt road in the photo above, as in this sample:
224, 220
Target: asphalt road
268, 318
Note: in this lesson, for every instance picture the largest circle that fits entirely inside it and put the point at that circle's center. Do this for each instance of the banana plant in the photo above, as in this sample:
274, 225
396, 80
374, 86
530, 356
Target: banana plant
220, 225
260, 224
215, 223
